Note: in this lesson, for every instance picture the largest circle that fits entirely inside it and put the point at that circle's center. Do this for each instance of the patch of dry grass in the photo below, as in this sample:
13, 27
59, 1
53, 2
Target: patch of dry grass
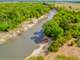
74, 6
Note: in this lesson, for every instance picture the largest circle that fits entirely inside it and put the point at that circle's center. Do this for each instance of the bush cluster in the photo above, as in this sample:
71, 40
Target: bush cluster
64, 26
36, 58
12, 14
62, 57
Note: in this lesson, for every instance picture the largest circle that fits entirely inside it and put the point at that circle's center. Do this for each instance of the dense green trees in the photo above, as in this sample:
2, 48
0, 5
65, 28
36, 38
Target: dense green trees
52, 29
64, 26
12, 14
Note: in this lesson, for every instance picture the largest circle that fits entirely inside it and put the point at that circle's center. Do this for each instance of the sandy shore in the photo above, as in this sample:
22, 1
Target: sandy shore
37, 52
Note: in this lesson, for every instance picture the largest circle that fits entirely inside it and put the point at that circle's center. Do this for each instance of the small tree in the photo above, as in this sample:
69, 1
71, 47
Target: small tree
52, 29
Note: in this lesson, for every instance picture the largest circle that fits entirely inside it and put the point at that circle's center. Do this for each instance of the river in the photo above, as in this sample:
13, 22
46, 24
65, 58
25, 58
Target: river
22, 46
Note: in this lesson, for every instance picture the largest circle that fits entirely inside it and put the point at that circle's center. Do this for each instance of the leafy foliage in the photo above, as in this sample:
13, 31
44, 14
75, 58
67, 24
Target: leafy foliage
12, 14
77, 42
64, 26
52, 29
55, 45
65, 58
37, 58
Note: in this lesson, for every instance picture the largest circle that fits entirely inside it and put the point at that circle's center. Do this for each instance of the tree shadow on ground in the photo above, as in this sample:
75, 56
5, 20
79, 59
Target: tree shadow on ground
38, 36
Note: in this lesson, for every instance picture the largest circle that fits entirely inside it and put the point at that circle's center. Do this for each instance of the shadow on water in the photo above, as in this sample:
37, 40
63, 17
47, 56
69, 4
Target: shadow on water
38, 36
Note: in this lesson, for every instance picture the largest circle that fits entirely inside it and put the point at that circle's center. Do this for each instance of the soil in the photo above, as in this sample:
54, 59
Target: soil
64, 50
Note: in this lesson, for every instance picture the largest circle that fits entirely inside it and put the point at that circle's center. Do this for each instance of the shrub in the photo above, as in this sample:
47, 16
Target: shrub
64, 26
52, 29
77, 41
56, 44
66, 58
36, 58
12, 14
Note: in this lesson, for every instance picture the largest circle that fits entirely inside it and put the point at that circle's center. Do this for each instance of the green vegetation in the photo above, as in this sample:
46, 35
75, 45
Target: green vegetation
52, 29
77, 42
12, 14
66, 58
64, 26
37, 58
